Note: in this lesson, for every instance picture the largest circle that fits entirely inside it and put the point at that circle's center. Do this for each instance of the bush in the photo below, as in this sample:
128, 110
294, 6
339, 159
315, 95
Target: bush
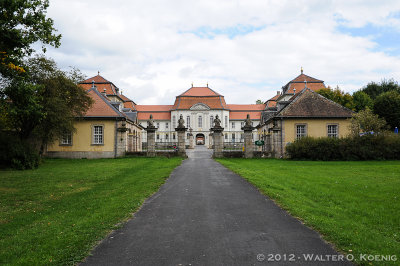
16, 153
369, 147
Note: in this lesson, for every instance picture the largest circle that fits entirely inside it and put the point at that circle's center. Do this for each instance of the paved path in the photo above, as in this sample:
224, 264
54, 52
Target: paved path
206, 215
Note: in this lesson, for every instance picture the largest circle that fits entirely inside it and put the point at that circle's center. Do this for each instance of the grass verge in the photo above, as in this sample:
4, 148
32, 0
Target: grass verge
57, 213
354, 205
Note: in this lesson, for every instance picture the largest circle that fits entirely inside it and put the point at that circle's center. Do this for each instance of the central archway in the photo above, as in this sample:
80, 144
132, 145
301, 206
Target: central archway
200, 139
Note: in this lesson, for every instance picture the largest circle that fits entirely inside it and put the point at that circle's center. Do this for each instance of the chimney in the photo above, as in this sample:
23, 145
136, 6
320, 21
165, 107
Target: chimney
104, 92
93, 87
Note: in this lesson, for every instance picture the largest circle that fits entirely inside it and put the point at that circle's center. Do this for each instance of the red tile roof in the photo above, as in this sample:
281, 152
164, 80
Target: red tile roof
200, 91
299, 84
276, 96
153, 108
271, 104
96, 79
124, 98
243, 115
101, 84
303, 77
184, 102
159, 112
129, 105
246, 107
156, 115
100, 107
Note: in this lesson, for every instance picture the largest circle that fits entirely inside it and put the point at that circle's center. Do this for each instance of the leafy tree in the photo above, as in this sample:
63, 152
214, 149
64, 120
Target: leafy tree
259, 101
338, 96
387, 105
366, 121
22, 23
361, 101
44, 105
375, 89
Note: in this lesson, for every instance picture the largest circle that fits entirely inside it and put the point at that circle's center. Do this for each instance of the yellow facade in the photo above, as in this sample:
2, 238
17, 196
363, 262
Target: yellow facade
314, 127
82, 138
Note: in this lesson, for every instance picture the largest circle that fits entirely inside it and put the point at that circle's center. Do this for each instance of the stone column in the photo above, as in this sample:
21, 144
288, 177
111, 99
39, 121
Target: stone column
217, 138
191, 139
181, 129
248, 140
121, 138
151, 137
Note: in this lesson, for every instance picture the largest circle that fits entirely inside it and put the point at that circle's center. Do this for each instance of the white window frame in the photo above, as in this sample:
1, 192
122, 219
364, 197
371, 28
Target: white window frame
96, 135
226, 121
233, 125
166, 125
303, 134
66, 139
173, 121
200, 121
211, 120
188, 121
329, 132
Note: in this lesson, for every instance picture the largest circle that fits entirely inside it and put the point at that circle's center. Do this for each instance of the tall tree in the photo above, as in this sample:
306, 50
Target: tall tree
387, 105
361, 101
374, 89
338, 96
22, 23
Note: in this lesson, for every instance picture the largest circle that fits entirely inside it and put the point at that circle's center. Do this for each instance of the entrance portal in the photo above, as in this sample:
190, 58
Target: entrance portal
200, 139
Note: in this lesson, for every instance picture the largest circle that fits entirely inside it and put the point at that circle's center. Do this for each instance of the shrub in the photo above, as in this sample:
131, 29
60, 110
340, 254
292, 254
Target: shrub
368, 147
16, 153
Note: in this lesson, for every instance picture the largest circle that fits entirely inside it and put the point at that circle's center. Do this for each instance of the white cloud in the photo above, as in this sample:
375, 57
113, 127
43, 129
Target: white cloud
150, 49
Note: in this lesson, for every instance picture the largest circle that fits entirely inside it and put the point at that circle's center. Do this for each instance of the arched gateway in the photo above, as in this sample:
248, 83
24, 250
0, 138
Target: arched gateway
200, 139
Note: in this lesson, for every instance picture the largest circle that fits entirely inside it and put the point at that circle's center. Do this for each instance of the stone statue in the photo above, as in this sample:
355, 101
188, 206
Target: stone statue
150, 122
248, 121
181, 122
217, 121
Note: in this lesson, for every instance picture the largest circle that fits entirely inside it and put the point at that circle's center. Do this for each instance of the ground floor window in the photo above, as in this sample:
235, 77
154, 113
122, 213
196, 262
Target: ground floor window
333, 131
66, 138
98, 134
300, 131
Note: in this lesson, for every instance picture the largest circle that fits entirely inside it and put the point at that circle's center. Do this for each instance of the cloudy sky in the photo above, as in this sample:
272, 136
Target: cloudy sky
246, 50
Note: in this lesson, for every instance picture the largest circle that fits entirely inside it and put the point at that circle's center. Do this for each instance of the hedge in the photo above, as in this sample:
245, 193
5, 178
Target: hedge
368, 147
16, 153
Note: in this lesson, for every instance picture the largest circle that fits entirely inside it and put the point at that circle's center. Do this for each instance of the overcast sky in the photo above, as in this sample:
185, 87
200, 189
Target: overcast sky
246, 50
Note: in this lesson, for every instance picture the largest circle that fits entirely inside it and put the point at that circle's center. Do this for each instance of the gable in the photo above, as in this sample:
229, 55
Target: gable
200, 107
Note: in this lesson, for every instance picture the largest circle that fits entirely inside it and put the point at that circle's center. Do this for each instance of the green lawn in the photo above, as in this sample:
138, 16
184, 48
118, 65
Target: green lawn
57, 213
355, 205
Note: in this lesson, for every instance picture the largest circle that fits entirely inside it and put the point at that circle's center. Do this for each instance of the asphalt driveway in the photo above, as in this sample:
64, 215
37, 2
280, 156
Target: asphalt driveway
207, 215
